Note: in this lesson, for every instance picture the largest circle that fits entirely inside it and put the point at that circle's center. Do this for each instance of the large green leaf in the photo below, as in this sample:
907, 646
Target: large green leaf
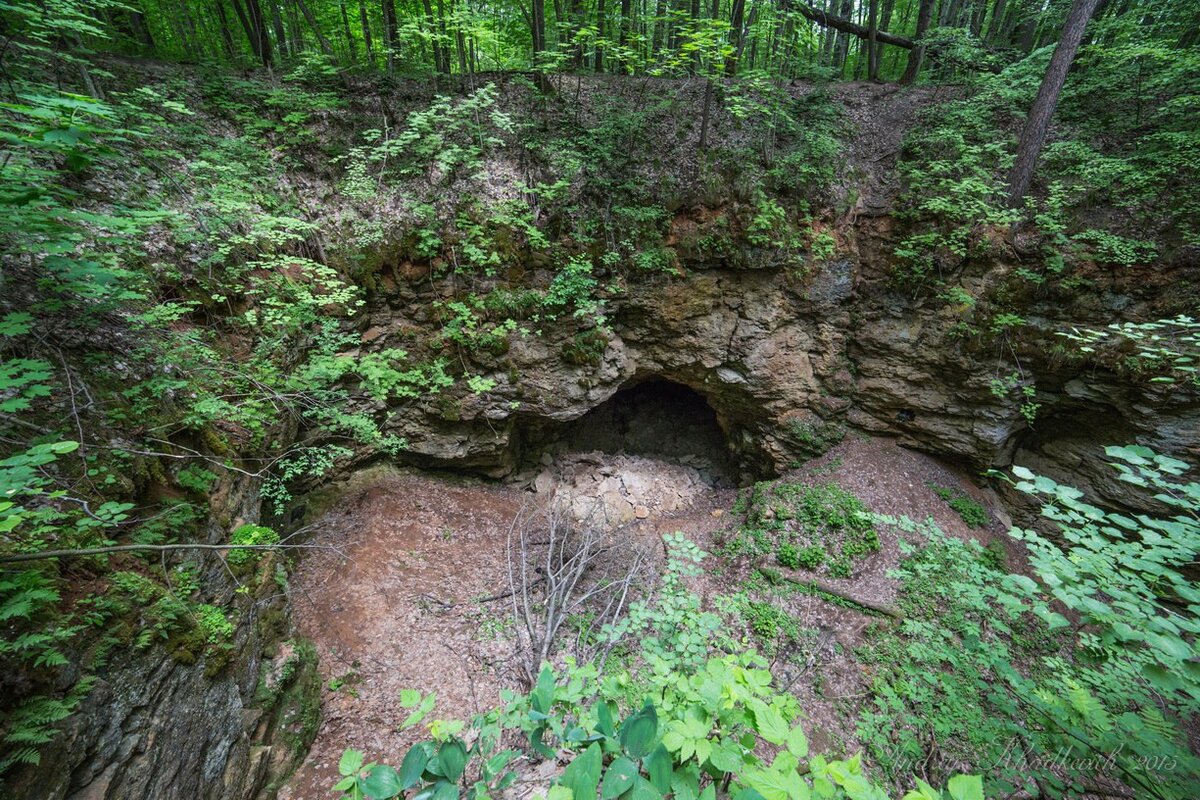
644, 790
619, 779
965, 787
685, 782
776, 784
770, 723
797, 742
639, 732
659, 766
582, 775
445, 790
413, 766
452, 759
382, 782
351, 762
542, 696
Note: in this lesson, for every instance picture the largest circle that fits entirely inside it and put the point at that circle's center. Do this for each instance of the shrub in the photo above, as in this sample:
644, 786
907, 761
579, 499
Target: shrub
250, 535
809, 527
972, 513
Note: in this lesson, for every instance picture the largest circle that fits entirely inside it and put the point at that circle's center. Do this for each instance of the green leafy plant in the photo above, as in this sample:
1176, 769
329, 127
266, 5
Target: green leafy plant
982, 654
256, 535
971, 512
820, 527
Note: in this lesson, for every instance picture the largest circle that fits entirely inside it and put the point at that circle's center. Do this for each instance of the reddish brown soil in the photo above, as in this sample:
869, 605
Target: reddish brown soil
394, 608
396, 612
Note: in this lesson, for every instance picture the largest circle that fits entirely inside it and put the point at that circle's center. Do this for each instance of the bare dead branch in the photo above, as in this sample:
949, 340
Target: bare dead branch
154, 548
575, 572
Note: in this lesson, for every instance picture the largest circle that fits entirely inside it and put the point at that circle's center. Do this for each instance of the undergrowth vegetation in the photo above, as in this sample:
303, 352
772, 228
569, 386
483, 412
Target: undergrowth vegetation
816, 528
1116, 155
1070, 681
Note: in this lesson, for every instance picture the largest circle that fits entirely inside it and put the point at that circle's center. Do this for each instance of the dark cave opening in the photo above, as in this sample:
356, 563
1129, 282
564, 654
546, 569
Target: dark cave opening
654, 418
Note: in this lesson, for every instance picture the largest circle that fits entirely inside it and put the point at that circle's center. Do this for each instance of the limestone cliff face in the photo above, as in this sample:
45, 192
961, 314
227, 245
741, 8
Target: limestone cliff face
778, 353
170, 723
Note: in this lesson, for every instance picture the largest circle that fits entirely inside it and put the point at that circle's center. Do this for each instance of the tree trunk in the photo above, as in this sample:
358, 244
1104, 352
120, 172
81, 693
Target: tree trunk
885, 19
443, 66
598, 64
842, 48
537, 28
280, 35
251, 30
322, 42
918, 53
575, 15
137, 21
366, 30
460, 39
827, 36
977, 14
660, 29
351, 47
872, 39
260, 27
293, 21
1026, 33
950, 9
737, 11
623, 37
1033, 137
993, 28
226, 34
389, 33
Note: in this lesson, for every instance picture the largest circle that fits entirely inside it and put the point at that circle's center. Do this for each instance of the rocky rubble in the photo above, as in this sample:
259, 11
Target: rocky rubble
614, 490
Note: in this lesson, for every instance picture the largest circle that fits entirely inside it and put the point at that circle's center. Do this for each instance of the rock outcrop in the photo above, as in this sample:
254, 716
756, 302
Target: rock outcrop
169, 723
780, 355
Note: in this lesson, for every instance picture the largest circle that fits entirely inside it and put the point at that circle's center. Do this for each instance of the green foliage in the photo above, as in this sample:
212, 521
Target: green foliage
444, 141
34, 723
972, 513
1166, 349
814, 439
722, 725
305, 462
823, 528
250, 535
196, 479
673, 631
985, 666
770, 624
213, 623
954, 169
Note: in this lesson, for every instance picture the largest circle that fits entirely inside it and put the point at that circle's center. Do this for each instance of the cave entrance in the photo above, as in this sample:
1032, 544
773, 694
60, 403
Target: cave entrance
655, 418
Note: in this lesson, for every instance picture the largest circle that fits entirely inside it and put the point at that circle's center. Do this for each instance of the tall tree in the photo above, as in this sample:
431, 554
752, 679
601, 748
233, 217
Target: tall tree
995, 23
917, 54
366, 31
737, 11
885, 20
537, 28
226, 33
872, 39
1033, 136
351, 45
280, 36
600, 21
389, 32
322, 42
842, 47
